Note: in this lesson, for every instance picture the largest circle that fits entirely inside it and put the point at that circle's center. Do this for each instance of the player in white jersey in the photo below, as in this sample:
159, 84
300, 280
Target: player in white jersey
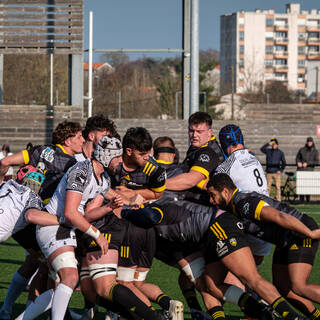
247, 174
96, 127
20, 206
82, 183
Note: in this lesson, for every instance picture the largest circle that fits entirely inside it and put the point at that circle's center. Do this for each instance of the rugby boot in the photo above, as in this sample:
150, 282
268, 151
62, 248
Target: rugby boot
176, 310
199, 315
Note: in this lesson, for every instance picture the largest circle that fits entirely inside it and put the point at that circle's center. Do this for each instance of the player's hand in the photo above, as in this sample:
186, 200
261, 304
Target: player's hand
304, 164
137, 200
116, 202
102, 243
315, 234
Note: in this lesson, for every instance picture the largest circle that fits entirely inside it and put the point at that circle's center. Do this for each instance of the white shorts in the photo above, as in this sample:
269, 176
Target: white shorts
258, 246
47, 239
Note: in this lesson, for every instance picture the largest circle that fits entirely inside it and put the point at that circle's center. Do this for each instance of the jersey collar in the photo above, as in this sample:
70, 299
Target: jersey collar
62, 148
211, 139
164, 162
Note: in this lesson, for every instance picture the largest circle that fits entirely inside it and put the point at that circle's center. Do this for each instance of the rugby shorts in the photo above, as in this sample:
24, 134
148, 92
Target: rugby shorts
112, 228
301, 249
225, 236
51, 238
138, 247
27, 237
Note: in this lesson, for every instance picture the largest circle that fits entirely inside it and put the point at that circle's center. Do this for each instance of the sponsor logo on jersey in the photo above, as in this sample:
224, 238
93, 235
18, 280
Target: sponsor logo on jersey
246, 208
162, 177
233, 242
221, 248
48, 154
240, 225
204, 158
294, 247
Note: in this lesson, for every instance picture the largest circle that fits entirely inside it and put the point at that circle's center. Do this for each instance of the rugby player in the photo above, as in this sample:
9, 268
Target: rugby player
203, 156
53, 160
96, 127
295, 235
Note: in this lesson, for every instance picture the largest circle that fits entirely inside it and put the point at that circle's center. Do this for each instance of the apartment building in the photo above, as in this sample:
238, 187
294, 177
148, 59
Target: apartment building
256, 47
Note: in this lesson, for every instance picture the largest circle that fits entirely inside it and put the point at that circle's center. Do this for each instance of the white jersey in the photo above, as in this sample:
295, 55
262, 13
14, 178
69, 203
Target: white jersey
15, 199
80, 157
246, 171
81, 179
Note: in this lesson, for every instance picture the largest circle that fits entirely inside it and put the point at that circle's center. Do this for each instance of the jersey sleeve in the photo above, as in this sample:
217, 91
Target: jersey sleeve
157, 182
250, 208
32, 156
205, 162
77, 178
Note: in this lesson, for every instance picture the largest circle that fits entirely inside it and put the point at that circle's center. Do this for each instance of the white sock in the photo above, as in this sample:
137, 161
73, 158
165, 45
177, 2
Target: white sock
18, 284
60, 301
40, 305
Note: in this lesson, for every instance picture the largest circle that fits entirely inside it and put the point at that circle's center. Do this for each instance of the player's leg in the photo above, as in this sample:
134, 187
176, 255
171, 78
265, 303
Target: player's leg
281, 280
248, 274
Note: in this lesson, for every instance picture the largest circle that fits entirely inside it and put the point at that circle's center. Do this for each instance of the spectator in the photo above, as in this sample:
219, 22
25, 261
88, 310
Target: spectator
275, 163
306, 159
5, 151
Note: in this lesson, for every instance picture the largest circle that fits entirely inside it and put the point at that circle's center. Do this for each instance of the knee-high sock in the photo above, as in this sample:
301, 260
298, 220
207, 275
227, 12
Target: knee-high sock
40, 305
60, 301
18, 284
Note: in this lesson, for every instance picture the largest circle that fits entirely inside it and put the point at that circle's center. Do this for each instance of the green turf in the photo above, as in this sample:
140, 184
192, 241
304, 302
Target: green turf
12, 256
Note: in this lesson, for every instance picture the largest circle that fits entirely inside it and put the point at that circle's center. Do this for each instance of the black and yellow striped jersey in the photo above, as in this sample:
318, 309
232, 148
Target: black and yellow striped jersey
151, 176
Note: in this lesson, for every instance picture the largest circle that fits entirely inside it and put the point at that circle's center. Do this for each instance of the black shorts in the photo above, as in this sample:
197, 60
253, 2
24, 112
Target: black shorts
300, 250
225, 235
111, 227
27, 237
171, 252
138, 247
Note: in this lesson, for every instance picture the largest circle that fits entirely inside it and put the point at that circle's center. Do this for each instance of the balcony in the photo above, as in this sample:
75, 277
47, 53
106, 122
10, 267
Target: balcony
313, 41
283, 27
280, 68
281, 40
313, 54
313, 28
279, 54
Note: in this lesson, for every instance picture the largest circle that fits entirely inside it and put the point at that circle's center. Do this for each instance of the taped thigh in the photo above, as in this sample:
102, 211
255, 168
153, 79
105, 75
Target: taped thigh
64, 260
140, 275
125, 274
101, 270
194, 269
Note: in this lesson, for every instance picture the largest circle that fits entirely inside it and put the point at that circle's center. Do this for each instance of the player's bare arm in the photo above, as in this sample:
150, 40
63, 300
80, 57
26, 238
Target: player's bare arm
75, 218
185, 181
41, 218
285, 220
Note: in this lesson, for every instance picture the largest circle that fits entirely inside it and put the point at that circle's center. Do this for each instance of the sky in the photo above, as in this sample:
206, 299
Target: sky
157, 24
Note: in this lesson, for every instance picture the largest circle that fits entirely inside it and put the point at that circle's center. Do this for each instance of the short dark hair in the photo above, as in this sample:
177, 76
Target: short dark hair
200, 117
220, 181
99, 122
137, 138
65, 130
164, 141
6, 148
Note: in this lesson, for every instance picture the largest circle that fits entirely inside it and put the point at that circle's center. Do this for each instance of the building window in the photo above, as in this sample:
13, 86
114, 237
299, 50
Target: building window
301, 63
241, 49
281, 62
301, 78
241, 35
280, 48
241, 63
269, 22
301, 36
268, 63
281, 76
281, 34
269, 49
301, 50
313, 48
314, 35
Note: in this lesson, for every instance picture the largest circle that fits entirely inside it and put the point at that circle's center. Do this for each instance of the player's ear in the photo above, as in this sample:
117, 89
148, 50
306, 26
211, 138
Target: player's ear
128, 152
91, 136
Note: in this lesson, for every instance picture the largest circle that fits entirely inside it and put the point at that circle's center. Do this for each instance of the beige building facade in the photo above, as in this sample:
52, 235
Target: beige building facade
256, 47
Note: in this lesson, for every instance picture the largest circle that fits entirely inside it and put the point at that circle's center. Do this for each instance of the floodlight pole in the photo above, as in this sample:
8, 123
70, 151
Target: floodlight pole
194, 92
90, 66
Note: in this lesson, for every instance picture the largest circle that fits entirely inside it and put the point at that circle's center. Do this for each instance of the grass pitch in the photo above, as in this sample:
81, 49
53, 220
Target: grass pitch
12, 256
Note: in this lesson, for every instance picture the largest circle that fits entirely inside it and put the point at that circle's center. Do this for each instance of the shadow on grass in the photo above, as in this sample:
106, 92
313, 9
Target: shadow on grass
9, 244
19, 262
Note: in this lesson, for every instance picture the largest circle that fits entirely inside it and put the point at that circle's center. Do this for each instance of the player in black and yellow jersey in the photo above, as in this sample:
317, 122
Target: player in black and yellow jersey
203, 156
295, 235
